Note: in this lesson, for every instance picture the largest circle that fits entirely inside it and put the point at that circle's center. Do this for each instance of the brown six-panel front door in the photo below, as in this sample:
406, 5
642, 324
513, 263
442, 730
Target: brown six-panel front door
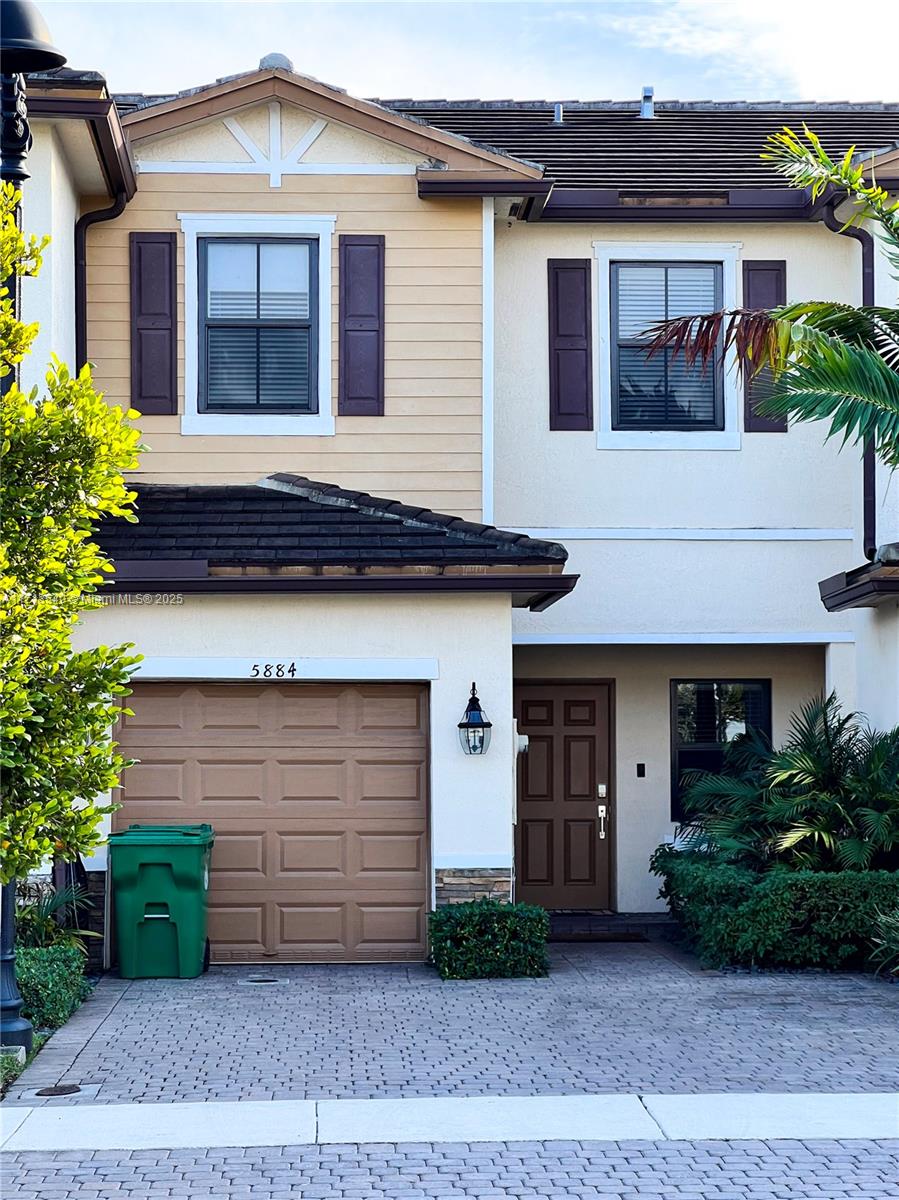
561, 858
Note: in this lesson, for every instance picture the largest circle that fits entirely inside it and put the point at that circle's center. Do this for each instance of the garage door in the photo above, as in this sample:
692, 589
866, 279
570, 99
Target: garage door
318, 796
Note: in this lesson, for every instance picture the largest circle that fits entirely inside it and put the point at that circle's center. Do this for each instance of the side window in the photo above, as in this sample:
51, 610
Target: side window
662, 393
706, 714
258, 326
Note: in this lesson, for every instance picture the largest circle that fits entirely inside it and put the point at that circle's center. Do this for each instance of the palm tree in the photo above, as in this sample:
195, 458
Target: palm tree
829, 360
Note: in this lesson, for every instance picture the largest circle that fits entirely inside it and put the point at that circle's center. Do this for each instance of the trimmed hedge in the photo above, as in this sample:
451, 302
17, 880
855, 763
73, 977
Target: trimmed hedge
486, 939
733, 916
51, 981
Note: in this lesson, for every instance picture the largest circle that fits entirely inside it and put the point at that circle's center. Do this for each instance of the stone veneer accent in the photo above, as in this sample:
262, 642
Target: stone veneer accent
94, 919
456, 885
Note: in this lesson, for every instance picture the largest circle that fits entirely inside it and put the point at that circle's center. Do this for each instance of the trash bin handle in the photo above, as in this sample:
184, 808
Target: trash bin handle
156, 917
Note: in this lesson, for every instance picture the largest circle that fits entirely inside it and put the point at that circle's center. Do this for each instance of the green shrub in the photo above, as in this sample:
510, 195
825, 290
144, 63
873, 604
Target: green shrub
486, 939
886, 942
49, 916
828, 800
733, 916
51, 981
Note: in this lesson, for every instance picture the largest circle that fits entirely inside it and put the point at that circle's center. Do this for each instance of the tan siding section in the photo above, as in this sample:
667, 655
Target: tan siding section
426, 449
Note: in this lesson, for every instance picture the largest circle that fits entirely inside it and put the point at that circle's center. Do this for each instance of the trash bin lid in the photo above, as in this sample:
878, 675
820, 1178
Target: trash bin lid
165, 835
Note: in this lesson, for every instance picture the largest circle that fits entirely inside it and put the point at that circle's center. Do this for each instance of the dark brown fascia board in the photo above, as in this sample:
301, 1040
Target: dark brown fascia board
106, 130
431, 185
866, 590
527, 591
742, 204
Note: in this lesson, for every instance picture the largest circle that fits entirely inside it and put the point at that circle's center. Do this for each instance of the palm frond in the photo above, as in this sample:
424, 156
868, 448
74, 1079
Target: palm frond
852, 387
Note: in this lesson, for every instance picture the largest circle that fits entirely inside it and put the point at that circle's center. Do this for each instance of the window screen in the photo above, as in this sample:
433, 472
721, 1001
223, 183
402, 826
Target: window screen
258, 328
661, 392
706, 714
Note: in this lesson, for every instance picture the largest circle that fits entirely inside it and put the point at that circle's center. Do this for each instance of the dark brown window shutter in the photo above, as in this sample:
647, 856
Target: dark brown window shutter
361, 372
570, 338
154, 323
764, 286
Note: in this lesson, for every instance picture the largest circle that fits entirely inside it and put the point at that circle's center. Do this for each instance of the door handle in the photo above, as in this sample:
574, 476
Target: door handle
602, 813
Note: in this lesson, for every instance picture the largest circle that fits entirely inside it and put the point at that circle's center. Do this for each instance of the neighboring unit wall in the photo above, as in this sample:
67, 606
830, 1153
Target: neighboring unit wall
426, 449
642, 674
878, 660
50, 207
347, 638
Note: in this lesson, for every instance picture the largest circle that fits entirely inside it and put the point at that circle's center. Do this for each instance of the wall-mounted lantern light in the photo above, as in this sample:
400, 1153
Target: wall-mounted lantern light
474, 728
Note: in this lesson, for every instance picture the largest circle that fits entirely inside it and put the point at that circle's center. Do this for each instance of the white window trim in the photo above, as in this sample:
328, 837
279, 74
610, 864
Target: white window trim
607, 438
197, 225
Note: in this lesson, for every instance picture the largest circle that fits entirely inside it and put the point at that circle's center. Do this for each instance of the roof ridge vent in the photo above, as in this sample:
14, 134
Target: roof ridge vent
275, 62
647, 104
558, 114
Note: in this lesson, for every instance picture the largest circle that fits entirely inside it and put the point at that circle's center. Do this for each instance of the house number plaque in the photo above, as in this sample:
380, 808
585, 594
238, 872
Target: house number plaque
273, 670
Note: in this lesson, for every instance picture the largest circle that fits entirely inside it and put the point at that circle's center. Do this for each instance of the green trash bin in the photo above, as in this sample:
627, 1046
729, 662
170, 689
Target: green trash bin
160, 881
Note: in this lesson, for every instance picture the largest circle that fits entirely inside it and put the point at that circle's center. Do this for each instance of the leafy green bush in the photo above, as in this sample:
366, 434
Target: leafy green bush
486, 939
51, 981
828, 800
734, 916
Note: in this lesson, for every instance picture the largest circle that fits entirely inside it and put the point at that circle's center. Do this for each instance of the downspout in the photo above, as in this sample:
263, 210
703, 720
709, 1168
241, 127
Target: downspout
81, 227
866, 241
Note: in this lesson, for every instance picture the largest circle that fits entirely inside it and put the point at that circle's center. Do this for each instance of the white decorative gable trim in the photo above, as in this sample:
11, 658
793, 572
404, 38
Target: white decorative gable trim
274, 162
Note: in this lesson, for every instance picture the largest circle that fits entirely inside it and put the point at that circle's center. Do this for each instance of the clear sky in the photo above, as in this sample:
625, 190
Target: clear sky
498, 49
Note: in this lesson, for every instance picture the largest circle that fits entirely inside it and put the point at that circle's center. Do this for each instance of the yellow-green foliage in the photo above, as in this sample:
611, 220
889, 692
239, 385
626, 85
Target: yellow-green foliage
64, 454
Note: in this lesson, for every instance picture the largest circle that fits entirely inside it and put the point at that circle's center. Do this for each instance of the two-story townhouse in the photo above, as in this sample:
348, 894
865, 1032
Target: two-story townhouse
442, 304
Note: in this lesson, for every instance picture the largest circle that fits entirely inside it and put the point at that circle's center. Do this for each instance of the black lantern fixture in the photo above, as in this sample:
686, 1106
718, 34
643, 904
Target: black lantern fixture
474, 728
25, 47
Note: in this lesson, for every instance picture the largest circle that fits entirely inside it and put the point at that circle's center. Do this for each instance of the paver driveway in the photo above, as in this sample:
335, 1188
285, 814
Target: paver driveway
614, 1171
610, 1018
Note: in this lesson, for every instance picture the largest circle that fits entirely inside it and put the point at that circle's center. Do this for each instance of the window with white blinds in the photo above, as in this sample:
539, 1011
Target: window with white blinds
662, 393
258, 329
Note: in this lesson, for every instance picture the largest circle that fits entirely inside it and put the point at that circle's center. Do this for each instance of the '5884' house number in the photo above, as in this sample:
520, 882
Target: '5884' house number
273, 670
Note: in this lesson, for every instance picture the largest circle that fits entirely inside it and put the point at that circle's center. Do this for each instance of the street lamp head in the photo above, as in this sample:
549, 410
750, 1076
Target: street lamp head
25, 44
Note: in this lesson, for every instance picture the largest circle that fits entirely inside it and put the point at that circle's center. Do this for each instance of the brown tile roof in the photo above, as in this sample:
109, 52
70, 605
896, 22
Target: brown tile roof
288, 520
685, 147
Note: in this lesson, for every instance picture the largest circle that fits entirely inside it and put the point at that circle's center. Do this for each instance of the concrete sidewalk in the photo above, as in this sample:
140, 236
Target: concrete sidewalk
651, 1118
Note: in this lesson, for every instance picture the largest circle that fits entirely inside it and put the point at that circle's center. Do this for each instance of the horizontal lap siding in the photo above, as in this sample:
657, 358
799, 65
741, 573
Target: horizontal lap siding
426, 449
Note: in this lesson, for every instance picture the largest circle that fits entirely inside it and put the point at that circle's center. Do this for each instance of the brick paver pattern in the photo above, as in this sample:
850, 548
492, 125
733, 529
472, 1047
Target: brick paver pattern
614, 1170
609, 1018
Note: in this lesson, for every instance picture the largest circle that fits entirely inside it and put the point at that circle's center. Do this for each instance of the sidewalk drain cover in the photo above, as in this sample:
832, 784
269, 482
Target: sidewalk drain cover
261, 979
61, 1089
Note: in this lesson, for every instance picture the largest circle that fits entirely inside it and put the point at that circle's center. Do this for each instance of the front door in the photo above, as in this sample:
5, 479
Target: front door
562, 844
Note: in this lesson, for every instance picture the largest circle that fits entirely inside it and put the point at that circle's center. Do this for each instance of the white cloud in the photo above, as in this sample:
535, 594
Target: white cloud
817, 49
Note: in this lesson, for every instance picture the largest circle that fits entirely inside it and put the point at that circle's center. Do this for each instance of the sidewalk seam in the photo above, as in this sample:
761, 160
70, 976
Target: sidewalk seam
655, 1120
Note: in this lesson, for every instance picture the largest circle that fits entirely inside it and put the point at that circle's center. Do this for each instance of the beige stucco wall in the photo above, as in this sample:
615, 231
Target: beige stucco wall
642, 675
426, 449
562, 479
472, 799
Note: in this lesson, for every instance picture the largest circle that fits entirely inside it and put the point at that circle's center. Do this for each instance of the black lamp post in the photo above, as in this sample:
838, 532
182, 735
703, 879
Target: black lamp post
25, 46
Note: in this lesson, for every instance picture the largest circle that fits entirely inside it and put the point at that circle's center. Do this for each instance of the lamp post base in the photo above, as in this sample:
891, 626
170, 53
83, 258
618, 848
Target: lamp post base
15, 1030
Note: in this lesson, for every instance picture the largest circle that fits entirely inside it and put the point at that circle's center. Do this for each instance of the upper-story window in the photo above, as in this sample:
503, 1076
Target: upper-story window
258, 325
662, 392
659, 403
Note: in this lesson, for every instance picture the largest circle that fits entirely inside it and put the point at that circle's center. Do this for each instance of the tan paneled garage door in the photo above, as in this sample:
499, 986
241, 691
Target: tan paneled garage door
318, 795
